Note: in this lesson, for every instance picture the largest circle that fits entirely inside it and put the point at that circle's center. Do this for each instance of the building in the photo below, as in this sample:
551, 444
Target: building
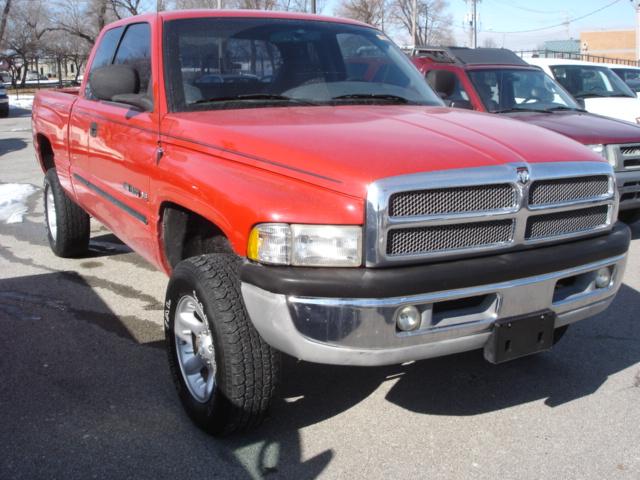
565, 46
615, 44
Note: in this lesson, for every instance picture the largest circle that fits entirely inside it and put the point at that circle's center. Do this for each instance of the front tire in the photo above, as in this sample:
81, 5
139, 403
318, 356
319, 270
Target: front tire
68, 225
224, 372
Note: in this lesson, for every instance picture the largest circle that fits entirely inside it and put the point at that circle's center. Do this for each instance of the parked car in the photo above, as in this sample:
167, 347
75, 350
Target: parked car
629, 75
498, 81
4, 102
598, 87
337, 214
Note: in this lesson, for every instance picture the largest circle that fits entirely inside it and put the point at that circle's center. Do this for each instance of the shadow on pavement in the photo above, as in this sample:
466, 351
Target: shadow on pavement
84, 396
10, 145
578, 365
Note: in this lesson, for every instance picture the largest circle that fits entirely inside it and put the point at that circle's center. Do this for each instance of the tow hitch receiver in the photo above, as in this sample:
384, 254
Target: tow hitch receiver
519, 336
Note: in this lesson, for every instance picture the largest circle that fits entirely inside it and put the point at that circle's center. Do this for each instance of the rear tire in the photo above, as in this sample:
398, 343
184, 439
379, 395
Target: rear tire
225, 374
68, 225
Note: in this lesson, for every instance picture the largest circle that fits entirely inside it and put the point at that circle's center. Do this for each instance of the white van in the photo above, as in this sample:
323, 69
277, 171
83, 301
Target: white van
602, 91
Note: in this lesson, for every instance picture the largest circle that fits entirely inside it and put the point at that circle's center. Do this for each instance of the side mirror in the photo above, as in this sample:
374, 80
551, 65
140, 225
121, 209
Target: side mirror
119, 83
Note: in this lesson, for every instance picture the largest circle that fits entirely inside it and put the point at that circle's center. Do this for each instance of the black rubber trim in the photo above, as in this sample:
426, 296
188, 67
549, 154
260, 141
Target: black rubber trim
394, 282
134, 213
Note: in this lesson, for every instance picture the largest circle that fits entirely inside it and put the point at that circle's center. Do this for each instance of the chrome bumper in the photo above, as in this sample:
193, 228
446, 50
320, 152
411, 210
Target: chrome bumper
363, 331
629, 187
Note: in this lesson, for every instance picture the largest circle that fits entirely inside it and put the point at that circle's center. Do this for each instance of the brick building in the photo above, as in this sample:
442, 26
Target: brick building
619, 44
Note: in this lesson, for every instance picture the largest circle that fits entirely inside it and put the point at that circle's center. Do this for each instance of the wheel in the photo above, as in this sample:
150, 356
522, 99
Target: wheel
629, 216
559, 332
225, 374
67, 224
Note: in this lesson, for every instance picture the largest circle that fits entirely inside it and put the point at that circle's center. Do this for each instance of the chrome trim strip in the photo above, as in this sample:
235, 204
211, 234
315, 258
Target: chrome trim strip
378, 222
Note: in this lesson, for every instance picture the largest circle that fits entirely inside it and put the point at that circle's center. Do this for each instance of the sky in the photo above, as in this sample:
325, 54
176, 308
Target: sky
518, 15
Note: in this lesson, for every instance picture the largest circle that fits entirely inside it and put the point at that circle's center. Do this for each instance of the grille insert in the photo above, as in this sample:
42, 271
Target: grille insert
410, 241
563, 190
565, 223
632, 151
452, 200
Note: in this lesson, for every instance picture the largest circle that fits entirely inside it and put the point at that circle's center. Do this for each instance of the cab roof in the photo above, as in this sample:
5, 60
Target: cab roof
471, 56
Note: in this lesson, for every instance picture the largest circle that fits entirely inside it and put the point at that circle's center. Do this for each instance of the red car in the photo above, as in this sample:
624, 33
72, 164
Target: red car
304, 203
496, 80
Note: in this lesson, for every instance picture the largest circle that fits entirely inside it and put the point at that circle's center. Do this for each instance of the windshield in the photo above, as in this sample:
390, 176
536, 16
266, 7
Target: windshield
503, 90
223, 63
584, 81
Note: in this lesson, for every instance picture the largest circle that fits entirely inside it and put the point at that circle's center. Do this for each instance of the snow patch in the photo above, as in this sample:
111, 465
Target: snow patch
13, 201
23, 101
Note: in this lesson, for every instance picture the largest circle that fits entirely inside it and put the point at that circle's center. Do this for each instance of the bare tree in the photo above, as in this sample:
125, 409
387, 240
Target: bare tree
29, 23
126, 8
83, 20
5, 16
367, 11
433, 26
190, 4
490, 42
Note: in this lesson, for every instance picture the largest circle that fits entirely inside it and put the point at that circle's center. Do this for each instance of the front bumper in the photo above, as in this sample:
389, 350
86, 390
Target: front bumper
345, 330
629, 187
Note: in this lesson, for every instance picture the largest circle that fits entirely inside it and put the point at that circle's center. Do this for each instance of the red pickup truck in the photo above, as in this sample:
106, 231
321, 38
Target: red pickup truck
308, 193
496, 80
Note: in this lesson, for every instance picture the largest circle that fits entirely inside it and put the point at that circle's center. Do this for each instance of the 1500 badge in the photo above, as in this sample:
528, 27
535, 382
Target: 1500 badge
136, 192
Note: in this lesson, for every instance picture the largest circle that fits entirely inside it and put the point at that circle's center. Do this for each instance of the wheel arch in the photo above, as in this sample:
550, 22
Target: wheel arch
44, 151
185, 233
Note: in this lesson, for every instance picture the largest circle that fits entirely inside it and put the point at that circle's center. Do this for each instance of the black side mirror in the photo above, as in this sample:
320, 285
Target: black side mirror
119, 83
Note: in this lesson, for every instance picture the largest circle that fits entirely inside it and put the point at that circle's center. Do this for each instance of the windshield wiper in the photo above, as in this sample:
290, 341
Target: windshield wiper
561, 107
372, 96
255, 96
518, 109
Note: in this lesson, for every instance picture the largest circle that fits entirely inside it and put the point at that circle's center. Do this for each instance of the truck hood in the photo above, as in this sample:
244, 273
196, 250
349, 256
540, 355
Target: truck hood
345, 148
622, 108
583, 127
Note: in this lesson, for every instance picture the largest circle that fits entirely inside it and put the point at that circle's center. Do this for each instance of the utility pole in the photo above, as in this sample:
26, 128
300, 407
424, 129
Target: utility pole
414, 22
636, 4
472, 18
313, 6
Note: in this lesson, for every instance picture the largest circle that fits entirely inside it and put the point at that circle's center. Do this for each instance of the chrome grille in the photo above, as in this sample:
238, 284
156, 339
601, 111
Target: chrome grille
453, 200
564, 190
629, 156
453, 213
411, 241
564, 223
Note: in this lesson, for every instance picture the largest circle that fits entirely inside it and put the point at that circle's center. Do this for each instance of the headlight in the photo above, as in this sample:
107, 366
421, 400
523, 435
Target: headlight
306, 245
605, 153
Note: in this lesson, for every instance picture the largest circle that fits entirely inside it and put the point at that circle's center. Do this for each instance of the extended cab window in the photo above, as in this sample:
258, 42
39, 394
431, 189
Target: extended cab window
222, 63
135, 50
104, 53
448, 85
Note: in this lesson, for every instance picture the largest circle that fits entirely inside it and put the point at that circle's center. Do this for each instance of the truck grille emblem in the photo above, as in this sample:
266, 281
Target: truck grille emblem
523, 175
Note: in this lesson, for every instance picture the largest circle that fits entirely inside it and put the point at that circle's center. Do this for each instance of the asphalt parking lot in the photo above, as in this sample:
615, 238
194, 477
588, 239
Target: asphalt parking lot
85, 390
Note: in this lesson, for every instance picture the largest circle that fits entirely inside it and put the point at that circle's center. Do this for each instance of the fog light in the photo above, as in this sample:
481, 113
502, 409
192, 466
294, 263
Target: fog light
603, 278
408, 318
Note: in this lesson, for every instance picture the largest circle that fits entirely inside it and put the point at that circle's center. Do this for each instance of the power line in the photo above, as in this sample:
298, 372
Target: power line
571, 20
530, 10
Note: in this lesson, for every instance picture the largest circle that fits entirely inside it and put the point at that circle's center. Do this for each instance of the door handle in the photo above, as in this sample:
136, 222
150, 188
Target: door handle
93, 129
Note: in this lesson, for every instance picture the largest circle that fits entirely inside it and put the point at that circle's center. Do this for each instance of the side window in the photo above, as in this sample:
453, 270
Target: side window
447, 85
104, 54
135, 50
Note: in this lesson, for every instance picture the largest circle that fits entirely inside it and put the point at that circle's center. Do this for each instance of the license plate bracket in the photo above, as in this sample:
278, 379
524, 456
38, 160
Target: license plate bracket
517, 337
